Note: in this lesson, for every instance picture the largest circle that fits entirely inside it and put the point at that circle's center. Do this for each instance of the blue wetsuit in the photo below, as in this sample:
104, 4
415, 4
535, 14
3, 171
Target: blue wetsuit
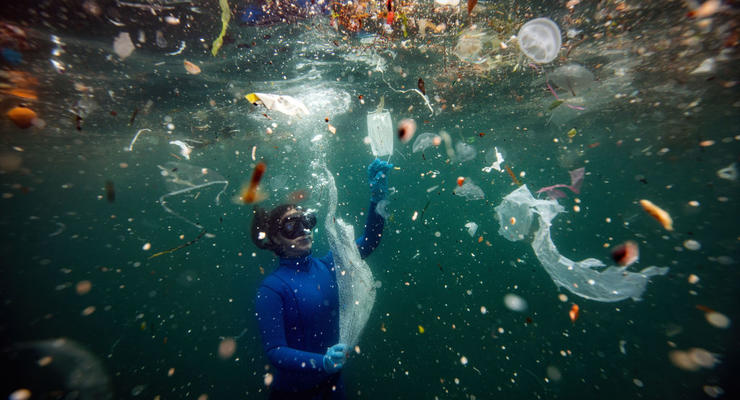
298, 315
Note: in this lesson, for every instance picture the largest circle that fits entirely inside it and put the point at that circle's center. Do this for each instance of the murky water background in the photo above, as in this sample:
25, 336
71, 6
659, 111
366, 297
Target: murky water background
151, 328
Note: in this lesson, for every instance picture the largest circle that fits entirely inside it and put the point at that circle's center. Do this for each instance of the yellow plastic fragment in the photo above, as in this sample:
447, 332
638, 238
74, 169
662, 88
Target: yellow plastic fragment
421, 329
252, 98
572, 133
225, 18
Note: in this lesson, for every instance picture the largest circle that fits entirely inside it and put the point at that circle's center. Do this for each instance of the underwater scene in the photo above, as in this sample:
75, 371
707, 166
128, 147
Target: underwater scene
369, 199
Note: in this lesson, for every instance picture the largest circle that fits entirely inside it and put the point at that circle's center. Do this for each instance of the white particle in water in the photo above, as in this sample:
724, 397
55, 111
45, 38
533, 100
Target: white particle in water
692, 244
515, 303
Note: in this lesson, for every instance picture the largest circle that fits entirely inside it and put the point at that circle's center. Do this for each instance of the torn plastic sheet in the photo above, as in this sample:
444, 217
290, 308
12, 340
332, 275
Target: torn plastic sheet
285, 104
495, 164
582, 278
576, 180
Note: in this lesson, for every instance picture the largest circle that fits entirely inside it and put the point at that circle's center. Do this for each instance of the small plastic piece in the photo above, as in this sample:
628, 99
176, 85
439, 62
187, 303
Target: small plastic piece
539, 39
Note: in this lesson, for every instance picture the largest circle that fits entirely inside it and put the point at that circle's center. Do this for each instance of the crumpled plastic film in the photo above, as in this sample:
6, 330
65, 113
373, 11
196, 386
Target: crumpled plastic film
582, 278
354, 278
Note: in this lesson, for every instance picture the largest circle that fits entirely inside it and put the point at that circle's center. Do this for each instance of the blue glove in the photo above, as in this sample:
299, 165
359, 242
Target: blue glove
335, 357
377, 175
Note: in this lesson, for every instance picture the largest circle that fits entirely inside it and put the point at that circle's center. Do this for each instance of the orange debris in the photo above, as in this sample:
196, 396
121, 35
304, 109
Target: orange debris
573, 313
22, 116
658, 213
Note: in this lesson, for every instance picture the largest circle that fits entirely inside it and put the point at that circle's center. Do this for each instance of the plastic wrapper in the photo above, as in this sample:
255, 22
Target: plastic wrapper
285, 104
583, 278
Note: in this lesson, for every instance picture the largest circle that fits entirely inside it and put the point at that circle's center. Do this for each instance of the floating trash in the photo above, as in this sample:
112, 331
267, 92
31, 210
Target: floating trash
285, 104
469, 191
380, 131
472, 228
579, 277
425, 140
464, 152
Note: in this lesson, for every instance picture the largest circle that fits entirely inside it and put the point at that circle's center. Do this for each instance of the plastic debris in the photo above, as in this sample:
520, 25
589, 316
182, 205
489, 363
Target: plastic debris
285, 104
729, 172
472, 228
496, 164
123, 46
576, 180
426, 139
539, 39
225, 18
464, 152
355, 280
185, 149
380, 131
582, 278
470, 191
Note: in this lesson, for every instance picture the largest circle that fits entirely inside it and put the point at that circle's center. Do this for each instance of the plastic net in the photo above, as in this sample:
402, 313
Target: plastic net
515, 215
354, 278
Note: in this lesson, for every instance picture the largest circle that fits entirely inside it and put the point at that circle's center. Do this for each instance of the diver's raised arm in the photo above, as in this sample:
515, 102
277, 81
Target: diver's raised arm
377, 173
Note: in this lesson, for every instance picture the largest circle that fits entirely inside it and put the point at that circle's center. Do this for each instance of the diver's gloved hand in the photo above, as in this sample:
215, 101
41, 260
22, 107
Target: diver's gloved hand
335, 357
377, 175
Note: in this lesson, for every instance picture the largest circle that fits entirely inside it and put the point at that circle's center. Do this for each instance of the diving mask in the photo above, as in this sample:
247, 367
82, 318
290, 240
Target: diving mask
297, 225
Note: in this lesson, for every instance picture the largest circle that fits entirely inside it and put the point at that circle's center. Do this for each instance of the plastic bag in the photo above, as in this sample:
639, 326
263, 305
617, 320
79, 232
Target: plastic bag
355, 280
515, 214
284, 104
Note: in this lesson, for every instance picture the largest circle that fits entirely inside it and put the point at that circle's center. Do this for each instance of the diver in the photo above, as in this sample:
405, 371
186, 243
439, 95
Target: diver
297, 305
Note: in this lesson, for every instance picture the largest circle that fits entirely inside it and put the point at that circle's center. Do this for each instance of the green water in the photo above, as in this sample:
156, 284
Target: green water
439, 327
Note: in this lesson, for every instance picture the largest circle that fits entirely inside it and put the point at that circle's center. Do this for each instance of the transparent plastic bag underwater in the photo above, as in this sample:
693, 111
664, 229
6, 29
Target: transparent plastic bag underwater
355, 280
515, 214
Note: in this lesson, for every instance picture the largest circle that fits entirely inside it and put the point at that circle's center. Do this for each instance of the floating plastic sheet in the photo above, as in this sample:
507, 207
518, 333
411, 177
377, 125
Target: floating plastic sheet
425, 140
380, 131
515, 215
464, 152
285, 104
355, 280
470, 191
